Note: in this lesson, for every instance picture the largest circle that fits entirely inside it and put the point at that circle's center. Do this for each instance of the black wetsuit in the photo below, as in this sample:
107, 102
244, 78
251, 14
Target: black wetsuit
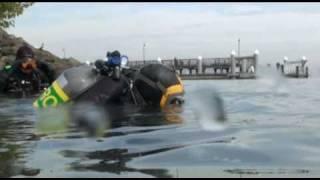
113, 91
17, 83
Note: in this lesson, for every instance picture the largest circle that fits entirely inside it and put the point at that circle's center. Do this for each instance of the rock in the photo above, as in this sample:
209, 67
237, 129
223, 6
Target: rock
9, 44
30, 171
8, 50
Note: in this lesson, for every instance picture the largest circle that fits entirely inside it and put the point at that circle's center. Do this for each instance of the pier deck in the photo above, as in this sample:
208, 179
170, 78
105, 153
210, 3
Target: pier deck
240, 67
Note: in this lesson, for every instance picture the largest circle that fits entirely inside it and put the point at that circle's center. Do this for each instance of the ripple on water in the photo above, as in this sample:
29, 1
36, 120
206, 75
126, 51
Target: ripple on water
271, 129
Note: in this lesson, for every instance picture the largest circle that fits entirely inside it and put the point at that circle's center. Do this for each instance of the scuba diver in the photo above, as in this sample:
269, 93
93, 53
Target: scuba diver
153, 87
26, 76
113, 62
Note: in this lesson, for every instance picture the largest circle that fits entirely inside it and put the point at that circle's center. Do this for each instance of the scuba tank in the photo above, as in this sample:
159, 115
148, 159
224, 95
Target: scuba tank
81, 84
70, 84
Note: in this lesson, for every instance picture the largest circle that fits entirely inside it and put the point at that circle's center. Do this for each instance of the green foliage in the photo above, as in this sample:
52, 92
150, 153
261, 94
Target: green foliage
10, 10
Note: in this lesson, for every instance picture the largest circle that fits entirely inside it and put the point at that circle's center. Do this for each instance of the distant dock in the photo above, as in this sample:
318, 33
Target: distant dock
232, 67
294, 69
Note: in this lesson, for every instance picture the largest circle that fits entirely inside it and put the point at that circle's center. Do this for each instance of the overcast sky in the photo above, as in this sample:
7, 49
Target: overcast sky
185, 30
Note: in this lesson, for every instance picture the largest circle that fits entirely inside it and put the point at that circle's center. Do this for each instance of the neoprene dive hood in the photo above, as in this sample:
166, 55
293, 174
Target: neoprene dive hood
159, 85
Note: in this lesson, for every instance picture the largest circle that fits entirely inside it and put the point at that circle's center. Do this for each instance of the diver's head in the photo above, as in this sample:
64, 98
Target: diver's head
159, 86
114, 58
115, 53
26, 60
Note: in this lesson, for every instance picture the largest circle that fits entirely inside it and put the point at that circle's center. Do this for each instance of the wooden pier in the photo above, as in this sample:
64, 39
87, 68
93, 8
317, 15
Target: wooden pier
240, 67
294, 69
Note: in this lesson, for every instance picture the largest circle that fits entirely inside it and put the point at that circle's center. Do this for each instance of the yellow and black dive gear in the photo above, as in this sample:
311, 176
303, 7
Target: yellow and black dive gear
159, 85
155, 84
70, 84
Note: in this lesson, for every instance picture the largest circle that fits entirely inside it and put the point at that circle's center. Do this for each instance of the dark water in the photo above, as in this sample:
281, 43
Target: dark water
272, 130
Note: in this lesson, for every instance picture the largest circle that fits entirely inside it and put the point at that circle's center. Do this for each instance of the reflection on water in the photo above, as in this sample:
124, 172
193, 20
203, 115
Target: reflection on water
266, 171
16, 139
269, 129
113, 161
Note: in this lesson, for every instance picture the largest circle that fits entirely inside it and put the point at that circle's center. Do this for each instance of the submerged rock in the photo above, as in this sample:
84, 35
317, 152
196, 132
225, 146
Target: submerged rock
30, 172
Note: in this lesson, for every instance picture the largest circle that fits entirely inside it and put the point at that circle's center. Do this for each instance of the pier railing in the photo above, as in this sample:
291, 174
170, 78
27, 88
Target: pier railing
208, 68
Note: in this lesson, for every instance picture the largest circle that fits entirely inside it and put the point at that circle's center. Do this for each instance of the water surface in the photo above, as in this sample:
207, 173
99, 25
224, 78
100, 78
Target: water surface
272, 130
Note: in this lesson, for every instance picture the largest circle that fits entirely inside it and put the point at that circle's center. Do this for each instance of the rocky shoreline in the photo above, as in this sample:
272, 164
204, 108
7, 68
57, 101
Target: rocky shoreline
9, 44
